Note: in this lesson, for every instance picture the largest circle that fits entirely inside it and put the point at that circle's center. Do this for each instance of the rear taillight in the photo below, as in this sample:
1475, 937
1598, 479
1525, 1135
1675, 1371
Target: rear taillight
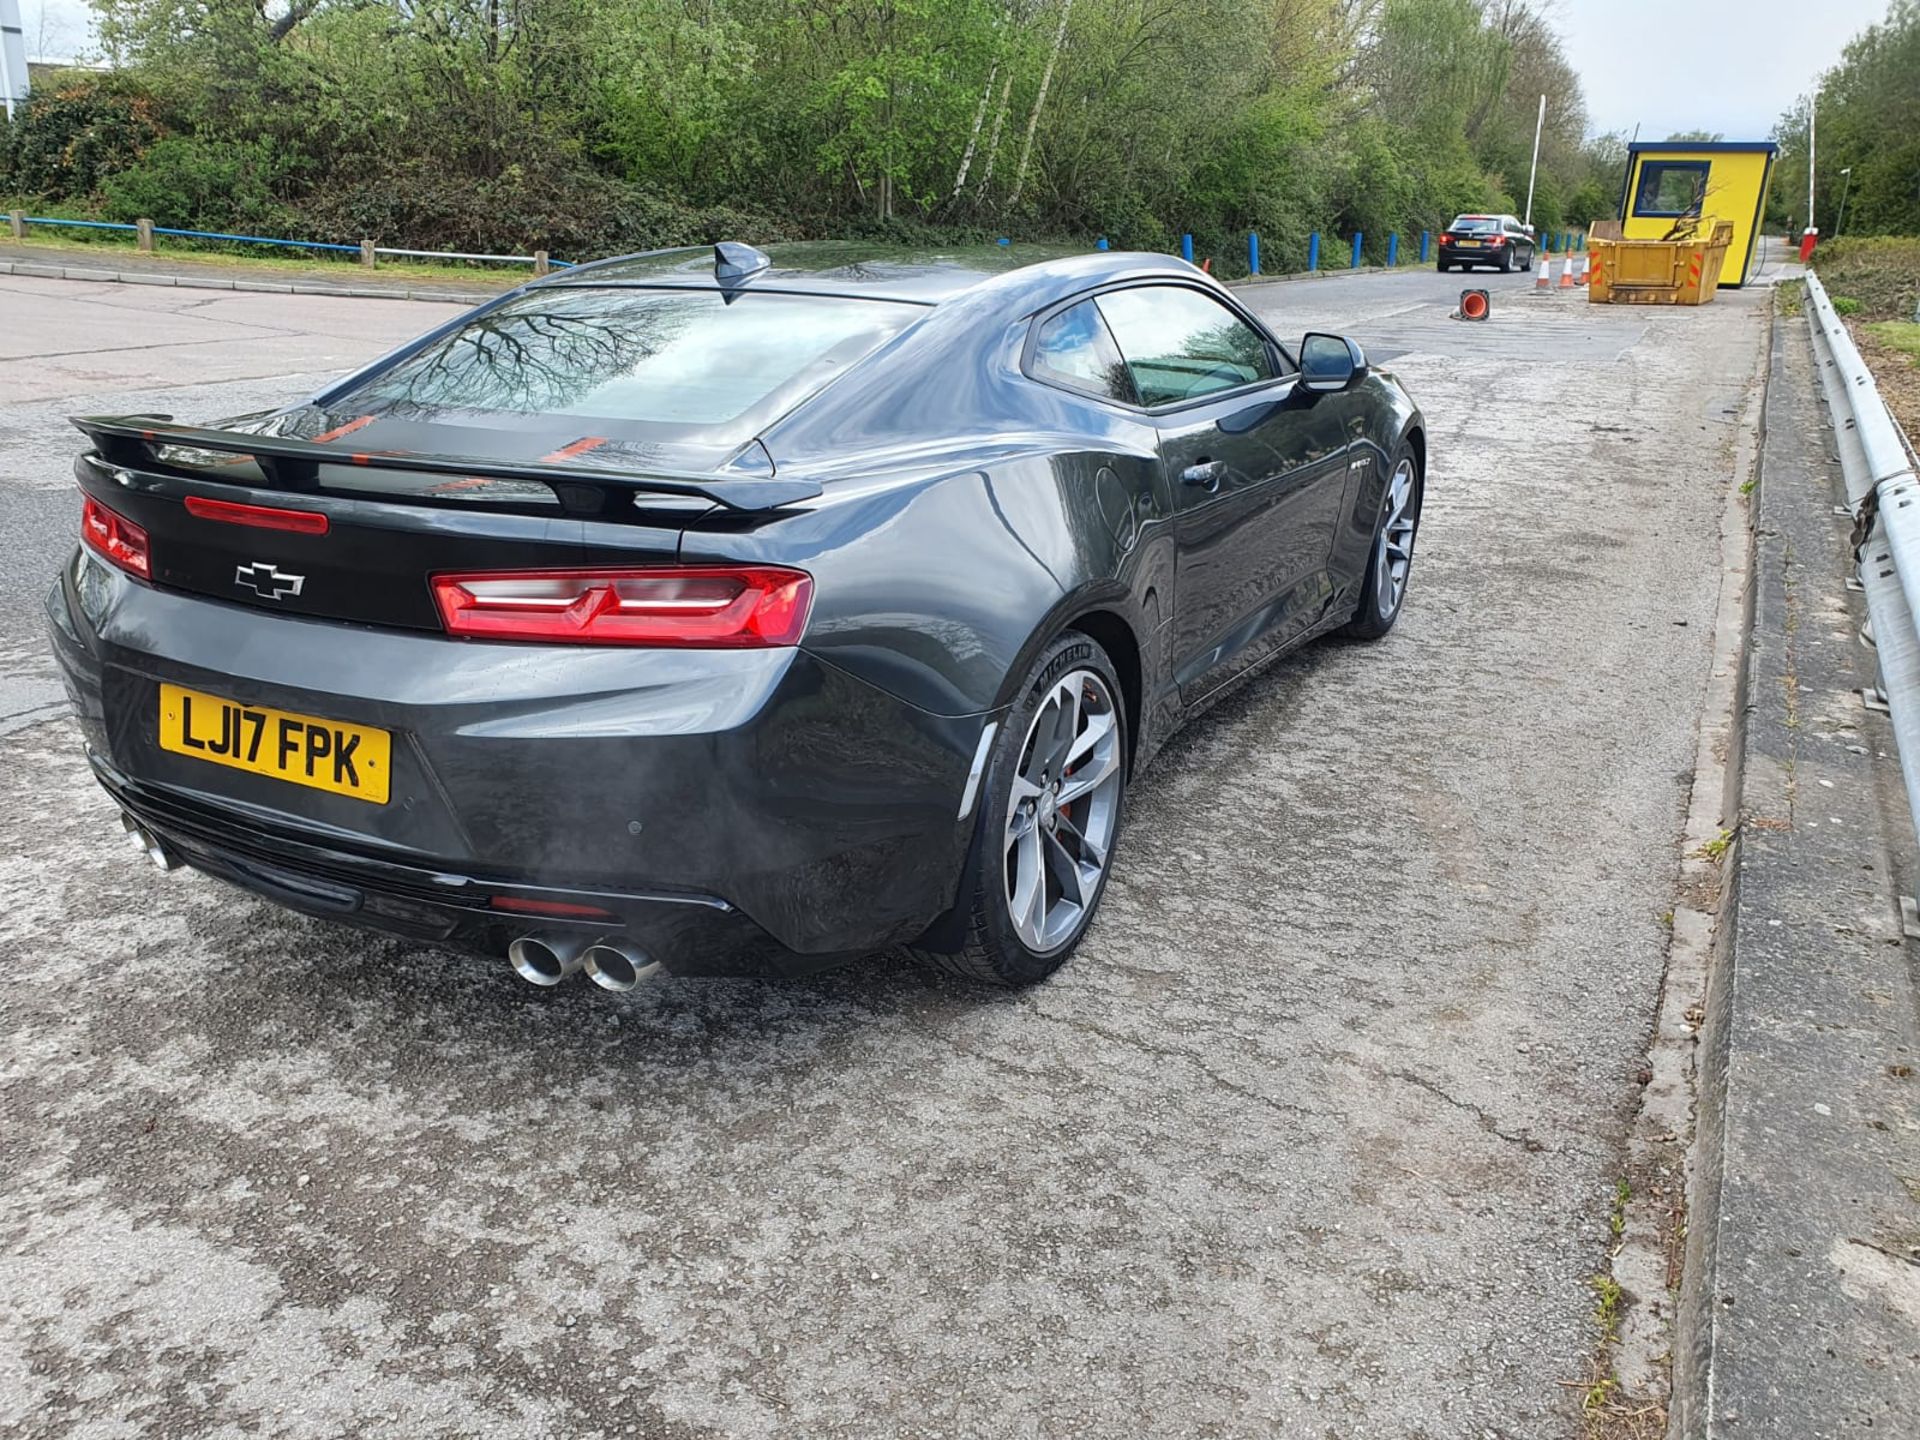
260, 517
115, 537
694, 607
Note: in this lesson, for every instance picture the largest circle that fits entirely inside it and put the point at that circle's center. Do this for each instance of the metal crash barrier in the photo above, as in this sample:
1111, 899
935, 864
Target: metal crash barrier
1878, 465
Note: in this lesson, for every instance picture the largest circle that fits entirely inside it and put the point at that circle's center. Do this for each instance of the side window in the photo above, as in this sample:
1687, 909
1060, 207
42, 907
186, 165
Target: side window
1180, 344
1074, 349
1671, 187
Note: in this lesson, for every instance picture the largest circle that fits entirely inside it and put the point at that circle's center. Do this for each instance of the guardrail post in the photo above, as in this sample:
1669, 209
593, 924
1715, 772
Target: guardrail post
1186, 248
143, 233
1313, 251
366, 253
18, 219
540, 264
1253, 252
1425, 236
1358, 237
1393, 249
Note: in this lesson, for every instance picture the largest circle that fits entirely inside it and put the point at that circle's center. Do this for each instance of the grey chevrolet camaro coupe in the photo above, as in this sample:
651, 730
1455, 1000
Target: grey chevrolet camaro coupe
709, 612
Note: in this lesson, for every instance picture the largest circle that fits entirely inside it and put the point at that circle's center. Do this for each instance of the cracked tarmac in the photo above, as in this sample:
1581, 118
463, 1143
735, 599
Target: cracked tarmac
1315, 1137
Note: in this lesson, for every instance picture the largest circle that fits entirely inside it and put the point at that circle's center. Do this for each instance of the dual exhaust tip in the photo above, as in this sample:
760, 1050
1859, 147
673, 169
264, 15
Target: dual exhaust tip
543, 959
147, 844
547, 958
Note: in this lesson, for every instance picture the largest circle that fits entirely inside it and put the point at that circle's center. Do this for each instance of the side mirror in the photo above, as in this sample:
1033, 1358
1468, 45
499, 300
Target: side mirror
1330, 362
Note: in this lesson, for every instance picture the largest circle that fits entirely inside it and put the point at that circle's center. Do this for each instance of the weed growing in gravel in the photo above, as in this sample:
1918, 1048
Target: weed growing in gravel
1715, 847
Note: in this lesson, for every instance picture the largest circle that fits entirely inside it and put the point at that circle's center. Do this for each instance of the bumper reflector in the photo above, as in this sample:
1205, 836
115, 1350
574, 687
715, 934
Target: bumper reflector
561, 909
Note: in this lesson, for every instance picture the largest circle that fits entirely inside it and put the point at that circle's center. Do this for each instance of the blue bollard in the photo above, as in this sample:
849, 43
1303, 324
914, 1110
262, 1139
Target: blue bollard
1313, 251
1253, 252
1357, 239
1101, 243
1424, 238
1393, 249
1186, 248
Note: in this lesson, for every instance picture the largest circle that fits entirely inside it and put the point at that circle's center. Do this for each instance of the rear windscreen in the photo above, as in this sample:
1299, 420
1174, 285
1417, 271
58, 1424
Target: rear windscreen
1475, 225
634, 362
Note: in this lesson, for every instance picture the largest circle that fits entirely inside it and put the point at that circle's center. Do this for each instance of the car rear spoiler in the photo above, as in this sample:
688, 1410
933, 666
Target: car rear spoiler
293, 464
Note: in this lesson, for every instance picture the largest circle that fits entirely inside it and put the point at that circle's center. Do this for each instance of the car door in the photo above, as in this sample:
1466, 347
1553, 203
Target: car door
1256, 466
1520, 241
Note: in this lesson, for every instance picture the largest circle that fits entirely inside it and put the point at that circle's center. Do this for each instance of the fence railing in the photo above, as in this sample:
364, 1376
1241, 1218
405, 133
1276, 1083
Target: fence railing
1549, 242
366, 251
1878, 465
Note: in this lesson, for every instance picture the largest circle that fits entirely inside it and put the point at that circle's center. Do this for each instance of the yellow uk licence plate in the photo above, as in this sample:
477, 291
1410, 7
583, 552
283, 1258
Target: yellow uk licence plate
321, 754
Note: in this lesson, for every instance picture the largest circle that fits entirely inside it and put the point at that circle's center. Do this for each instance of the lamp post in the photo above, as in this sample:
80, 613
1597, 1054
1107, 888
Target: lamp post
1812, 234
1846, 183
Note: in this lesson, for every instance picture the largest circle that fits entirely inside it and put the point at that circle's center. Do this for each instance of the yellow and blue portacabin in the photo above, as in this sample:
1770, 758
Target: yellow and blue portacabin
1679, 180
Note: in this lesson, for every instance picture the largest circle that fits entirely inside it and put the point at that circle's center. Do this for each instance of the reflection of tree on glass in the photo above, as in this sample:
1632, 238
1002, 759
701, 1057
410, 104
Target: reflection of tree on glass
660, 357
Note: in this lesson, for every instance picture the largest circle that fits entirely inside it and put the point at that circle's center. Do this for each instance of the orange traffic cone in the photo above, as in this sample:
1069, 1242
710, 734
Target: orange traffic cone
1544, 280
1566, 273
1586, 270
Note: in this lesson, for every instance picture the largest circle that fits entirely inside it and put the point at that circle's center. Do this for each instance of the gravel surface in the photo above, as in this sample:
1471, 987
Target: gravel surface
1315, 1137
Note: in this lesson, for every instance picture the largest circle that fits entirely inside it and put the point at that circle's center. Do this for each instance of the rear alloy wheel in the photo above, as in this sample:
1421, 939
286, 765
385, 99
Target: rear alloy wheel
1051, 811
1390, 565
1506, 261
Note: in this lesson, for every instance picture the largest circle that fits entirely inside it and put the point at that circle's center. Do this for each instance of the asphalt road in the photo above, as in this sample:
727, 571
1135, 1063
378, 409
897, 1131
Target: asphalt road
1315, 1137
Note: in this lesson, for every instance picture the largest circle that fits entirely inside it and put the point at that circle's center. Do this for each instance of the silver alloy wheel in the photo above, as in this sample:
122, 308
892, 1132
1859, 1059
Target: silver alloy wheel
1063, 811
1393, 556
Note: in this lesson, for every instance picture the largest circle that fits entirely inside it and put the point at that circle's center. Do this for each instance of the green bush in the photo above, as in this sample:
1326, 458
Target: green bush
570, 213
74, 131
200, 185
1880, 274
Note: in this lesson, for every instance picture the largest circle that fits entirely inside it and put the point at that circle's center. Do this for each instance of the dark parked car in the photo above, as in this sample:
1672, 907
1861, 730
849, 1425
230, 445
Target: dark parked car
714, 613
1496, 240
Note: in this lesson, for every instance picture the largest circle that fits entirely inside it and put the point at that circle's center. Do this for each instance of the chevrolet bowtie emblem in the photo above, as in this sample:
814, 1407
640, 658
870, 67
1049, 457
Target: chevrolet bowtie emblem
267, 582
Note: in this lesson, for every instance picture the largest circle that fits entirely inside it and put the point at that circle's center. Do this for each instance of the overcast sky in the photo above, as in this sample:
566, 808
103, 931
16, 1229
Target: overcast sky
1726, 65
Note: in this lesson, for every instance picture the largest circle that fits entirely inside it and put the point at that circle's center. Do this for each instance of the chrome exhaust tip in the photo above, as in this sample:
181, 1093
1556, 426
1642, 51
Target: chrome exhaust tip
546, 959
148, 844
617, 966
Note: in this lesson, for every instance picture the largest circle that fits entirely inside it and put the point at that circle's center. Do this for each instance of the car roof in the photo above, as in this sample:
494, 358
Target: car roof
882, 272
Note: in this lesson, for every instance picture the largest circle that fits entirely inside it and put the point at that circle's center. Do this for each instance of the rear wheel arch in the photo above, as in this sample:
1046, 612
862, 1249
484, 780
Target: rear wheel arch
1117, 638
1416, 438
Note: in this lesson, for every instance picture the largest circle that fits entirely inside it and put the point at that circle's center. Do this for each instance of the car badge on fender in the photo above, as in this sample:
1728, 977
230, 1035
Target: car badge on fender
268, 582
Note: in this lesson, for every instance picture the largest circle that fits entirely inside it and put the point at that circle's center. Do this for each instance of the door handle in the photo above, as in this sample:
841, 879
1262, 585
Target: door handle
1206, 474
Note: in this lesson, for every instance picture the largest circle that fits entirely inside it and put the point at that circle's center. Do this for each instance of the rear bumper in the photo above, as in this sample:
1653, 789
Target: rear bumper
735, 811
